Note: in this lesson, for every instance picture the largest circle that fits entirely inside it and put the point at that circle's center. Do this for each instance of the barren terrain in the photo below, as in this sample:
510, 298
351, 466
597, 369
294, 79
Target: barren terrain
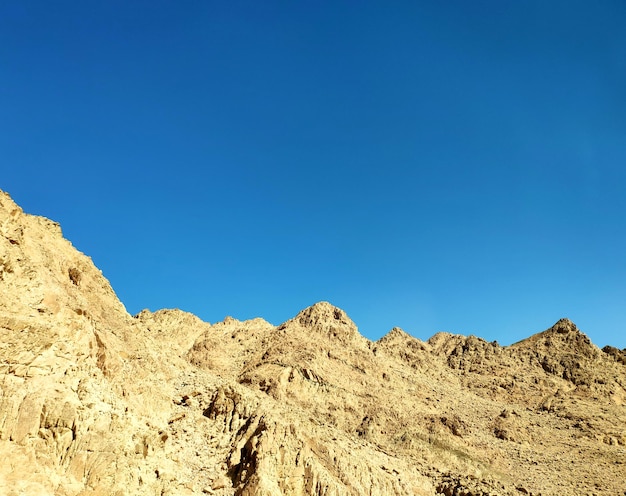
94, 401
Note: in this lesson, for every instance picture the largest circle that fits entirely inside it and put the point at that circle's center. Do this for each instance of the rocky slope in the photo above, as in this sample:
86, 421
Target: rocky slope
96, 402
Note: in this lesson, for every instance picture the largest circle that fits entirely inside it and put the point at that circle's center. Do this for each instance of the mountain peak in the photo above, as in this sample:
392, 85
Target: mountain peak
399, 337
325, 318
394, 334
323, 313
563, 326
563, 333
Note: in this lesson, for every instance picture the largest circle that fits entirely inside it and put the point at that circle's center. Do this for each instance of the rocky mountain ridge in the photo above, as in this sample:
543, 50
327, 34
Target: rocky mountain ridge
94, 401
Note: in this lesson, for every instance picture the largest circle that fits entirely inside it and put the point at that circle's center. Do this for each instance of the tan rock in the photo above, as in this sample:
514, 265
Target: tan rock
96, 402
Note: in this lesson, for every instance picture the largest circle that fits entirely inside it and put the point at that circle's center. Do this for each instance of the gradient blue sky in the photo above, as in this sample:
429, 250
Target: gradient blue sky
456, 166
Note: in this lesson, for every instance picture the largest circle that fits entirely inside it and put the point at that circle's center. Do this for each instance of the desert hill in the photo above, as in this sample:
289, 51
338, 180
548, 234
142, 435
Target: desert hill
94, 401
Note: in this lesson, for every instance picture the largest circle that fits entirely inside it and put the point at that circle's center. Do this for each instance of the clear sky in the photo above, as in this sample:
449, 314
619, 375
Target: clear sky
439, 166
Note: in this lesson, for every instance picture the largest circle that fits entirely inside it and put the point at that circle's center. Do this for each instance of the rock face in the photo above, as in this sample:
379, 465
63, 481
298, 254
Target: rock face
96, 402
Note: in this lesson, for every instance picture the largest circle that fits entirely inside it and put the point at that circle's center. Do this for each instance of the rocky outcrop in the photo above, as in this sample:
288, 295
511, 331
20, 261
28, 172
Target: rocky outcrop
617, 354
327, 320
64, 421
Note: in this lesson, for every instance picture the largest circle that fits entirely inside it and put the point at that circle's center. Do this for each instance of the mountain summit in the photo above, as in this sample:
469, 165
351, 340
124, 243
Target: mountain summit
326, 319
95, 402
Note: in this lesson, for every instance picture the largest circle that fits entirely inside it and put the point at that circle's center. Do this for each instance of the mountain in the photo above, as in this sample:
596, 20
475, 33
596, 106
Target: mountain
94, 401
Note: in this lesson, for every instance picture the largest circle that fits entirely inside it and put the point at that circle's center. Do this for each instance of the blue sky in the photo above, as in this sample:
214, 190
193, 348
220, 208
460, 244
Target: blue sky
455, 166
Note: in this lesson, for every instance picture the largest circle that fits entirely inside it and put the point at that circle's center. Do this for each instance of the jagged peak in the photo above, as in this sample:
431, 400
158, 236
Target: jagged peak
563, 326
398, 341
563, 329
397, 336
230, 321
325, 318
458, 344
617, 354
323, 313
169, 315
563, 337
439, 339
394, 334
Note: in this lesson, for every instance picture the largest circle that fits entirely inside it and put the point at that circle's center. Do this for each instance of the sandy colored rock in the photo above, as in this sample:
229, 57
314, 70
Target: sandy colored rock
94, 401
